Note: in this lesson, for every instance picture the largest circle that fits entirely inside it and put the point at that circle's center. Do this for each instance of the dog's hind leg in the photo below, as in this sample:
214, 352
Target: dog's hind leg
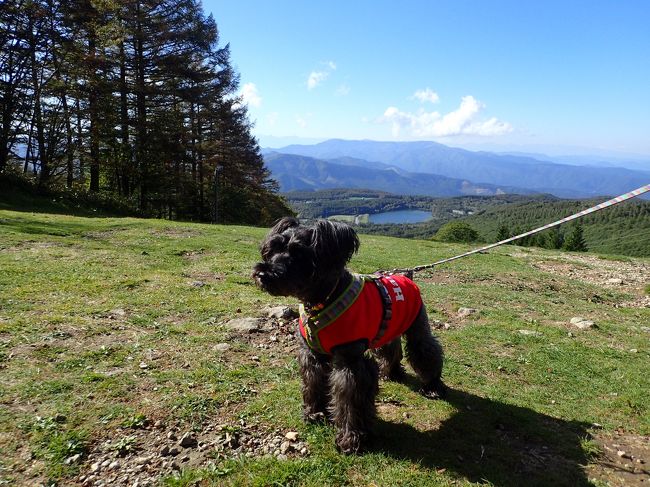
389, 358
314, 370
424, 353
353, 387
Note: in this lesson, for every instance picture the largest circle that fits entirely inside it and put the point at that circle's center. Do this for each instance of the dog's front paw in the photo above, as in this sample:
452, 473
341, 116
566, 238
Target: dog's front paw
434, 390
350, 442
315, 417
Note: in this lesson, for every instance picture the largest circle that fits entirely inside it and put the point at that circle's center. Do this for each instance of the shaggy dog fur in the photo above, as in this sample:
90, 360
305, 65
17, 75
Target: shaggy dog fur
308, 262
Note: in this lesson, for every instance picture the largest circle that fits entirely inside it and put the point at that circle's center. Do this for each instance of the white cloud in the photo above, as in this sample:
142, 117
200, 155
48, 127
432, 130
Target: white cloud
462, 121
315, 78
426, 95
250, 96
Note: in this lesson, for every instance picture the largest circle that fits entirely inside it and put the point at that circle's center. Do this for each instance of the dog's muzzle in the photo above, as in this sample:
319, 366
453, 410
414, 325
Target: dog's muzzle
269, 277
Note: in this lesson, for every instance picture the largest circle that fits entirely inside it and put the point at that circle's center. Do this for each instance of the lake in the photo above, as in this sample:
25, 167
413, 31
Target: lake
401, 216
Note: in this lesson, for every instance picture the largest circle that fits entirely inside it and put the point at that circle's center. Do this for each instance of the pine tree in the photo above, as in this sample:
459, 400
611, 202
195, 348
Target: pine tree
139, 96
575, 242
503, 233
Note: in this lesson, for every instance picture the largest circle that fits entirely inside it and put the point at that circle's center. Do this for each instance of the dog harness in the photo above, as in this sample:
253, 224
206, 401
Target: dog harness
377, 309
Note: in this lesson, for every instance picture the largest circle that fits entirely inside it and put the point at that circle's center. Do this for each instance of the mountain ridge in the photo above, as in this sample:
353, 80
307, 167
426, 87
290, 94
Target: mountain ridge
295, 172
514, 171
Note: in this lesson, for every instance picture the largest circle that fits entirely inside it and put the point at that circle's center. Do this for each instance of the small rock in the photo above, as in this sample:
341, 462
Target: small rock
171, 436
106, 463
530, 333
60, 418
633, 350
291, 435
221, 347
114, 465
143, 460
159, 424
74, 459
582, 323
622, 454
465, 312
285, 447
615, 281
282, 456
188, 440
646, 329
95, 467
244, 325
143, 365
281, 312
198, 284
255, 358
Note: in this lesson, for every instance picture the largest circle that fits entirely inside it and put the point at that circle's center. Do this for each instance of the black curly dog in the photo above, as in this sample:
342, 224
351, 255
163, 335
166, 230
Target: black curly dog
308, 262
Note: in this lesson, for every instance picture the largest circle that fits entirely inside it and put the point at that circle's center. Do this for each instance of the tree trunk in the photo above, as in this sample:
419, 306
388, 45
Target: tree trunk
125, 155
141, 108
92, 111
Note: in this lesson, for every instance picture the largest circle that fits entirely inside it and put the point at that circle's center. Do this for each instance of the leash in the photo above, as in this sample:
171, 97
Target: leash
606, 204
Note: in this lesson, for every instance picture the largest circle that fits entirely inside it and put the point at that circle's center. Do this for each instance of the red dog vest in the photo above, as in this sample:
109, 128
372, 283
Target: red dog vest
357, 314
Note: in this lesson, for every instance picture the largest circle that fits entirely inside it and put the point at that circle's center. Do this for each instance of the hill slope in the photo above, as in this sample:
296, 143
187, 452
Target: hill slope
120, 364
623, 229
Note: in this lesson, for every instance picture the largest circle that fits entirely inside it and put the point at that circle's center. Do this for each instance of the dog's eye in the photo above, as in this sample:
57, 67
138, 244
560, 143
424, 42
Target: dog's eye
273, 245
295, 246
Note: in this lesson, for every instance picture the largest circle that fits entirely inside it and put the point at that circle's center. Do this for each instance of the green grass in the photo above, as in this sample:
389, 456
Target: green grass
84, 302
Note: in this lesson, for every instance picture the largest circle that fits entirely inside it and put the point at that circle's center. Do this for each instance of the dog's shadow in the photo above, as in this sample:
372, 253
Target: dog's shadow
489, 441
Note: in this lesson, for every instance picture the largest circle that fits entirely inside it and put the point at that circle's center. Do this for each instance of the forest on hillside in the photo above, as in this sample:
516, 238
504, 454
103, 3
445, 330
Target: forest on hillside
622, 229
131, 100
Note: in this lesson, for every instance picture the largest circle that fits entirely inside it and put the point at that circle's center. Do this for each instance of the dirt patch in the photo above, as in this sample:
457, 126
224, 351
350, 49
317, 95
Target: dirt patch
199, 279
176, 232
102, 234
620, 275
441, 277
624, 459
142, 456
191, 254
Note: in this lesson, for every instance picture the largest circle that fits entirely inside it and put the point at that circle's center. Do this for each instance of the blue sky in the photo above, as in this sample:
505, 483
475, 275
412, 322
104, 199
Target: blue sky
565, 76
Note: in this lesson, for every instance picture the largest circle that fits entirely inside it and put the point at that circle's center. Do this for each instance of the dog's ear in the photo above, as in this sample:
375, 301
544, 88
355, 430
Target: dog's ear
334, 243
284, 224
275, 241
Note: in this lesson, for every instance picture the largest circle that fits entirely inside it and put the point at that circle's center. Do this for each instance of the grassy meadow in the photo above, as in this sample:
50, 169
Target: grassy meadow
114, 342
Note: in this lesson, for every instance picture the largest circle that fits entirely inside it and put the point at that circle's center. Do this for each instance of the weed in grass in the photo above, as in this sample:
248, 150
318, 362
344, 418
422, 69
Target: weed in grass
135, 421
55, 443
194, 408
124, 446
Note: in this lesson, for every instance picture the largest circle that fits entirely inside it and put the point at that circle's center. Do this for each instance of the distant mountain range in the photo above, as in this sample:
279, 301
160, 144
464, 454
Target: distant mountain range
298, 173
429, 168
